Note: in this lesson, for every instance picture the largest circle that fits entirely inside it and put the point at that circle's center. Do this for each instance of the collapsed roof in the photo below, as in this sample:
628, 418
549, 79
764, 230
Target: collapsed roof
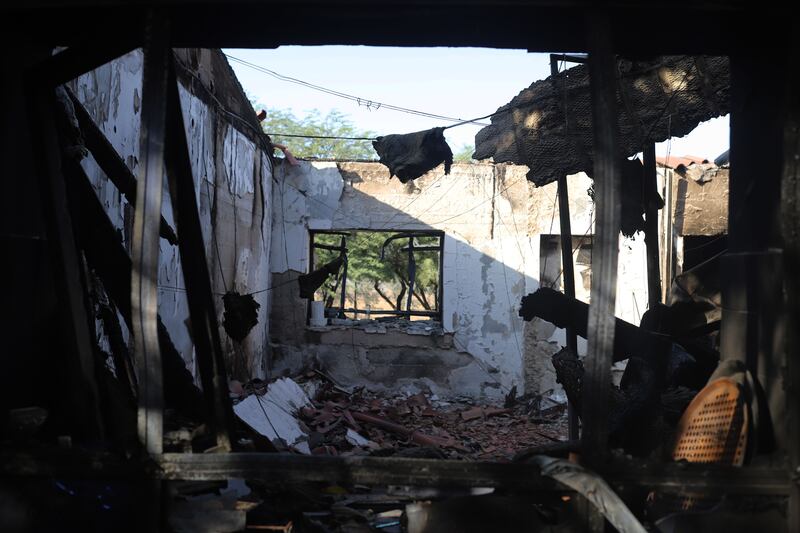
548, 126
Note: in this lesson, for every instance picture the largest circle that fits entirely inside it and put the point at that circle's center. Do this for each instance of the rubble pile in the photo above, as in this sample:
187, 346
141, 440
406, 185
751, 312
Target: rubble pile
313, 415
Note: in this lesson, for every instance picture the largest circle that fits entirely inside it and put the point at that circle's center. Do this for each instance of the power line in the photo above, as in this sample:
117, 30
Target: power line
334, 137
479, 203
370, 104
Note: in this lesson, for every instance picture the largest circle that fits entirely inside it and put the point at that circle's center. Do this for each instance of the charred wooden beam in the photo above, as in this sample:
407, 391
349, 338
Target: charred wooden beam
636, 409
752, 329
629, 340
790, 222
146, 221
110, 161
205, 329
606, 173
290, 468
68, 64
649, 190
106, 255
376, 471
565, 312
79, 357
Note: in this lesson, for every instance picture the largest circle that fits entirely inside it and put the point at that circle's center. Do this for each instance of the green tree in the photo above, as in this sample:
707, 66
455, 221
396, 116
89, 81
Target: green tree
464, 154
334, 124
371, 280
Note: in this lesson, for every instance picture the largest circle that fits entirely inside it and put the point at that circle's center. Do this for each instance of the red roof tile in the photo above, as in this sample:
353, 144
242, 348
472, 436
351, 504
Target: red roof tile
676, 161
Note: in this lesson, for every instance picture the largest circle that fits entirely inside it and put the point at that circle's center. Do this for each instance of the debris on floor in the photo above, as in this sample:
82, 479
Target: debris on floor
313, 415
273, 414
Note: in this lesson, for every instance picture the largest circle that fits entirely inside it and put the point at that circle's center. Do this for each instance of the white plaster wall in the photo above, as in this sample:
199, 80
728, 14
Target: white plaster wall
484, 277
492, 221
233, 185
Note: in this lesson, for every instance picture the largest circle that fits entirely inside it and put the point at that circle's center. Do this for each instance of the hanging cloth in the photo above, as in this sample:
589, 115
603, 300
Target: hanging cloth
411, 155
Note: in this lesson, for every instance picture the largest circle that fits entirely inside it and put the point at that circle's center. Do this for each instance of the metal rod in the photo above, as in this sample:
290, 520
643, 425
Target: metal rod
649, 189
343, 297
389, 312
567, 264
669, 240
570, 58
329, 247
412, 271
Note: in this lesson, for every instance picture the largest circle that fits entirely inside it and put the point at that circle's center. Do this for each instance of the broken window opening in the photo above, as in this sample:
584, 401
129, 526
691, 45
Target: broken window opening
384, 274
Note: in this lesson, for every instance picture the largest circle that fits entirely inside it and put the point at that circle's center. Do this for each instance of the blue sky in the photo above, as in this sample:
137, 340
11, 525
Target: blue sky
455, 82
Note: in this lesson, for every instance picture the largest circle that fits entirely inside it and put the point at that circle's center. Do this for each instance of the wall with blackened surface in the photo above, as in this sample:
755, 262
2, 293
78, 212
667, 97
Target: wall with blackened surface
493, 220
232, 175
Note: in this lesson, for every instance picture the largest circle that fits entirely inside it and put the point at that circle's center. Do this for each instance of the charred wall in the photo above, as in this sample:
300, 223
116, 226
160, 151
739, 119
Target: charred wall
493, 220
232, 174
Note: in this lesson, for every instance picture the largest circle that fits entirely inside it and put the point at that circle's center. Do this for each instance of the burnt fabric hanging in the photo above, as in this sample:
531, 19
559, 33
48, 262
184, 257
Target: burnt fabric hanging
241, 314
634, 200
309, 283
411, 155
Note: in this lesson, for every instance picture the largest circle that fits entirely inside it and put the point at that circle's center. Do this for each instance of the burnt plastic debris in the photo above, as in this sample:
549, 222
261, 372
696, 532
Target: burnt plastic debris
309, 283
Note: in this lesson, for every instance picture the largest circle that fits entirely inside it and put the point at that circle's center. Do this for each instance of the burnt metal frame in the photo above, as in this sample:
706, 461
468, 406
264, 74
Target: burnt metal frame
703, 479
342, 279
342, 248
566, 243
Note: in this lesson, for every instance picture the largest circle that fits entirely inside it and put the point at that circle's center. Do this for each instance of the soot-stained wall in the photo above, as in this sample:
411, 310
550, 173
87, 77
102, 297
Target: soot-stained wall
232, 175
493, 219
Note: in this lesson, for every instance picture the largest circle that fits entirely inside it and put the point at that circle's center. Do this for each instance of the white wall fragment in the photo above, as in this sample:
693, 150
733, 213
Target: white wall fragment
274, 415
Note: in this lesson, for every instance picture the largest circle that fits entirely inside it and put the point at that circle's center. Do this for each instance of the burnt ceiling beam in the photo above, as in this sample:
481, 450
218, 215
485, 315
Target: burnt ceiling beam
636, 27
80, 59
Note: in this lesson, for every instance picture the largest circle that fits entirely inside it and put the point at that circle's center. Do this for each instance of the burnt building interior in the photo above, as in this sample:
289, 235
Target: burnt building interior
106, 425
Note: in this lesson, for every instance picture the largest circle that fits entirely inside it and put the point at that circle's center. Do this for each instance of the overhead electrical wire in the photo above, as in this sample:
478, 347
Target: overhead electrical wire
370, 104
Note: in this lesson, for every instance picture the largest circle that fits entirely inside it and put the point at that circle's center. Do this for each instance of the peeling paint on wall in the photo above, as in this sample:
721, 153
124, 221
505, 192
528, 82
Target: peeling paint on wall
492, 218
232, 184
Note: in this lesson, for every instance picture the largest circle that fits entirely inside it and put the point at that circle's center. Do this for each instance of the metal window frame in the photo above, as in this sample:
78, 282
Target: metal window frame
395, 234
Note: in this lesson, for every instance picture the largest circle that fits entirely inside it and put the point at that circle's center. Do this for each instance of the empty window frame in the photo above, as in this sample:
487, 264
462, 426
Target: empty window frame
384, 273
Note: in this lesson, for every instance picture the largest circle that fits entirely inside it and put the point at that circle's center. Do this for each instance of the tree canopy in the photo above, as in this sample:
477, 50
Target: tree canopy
334, 124
381, 284
464, 154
